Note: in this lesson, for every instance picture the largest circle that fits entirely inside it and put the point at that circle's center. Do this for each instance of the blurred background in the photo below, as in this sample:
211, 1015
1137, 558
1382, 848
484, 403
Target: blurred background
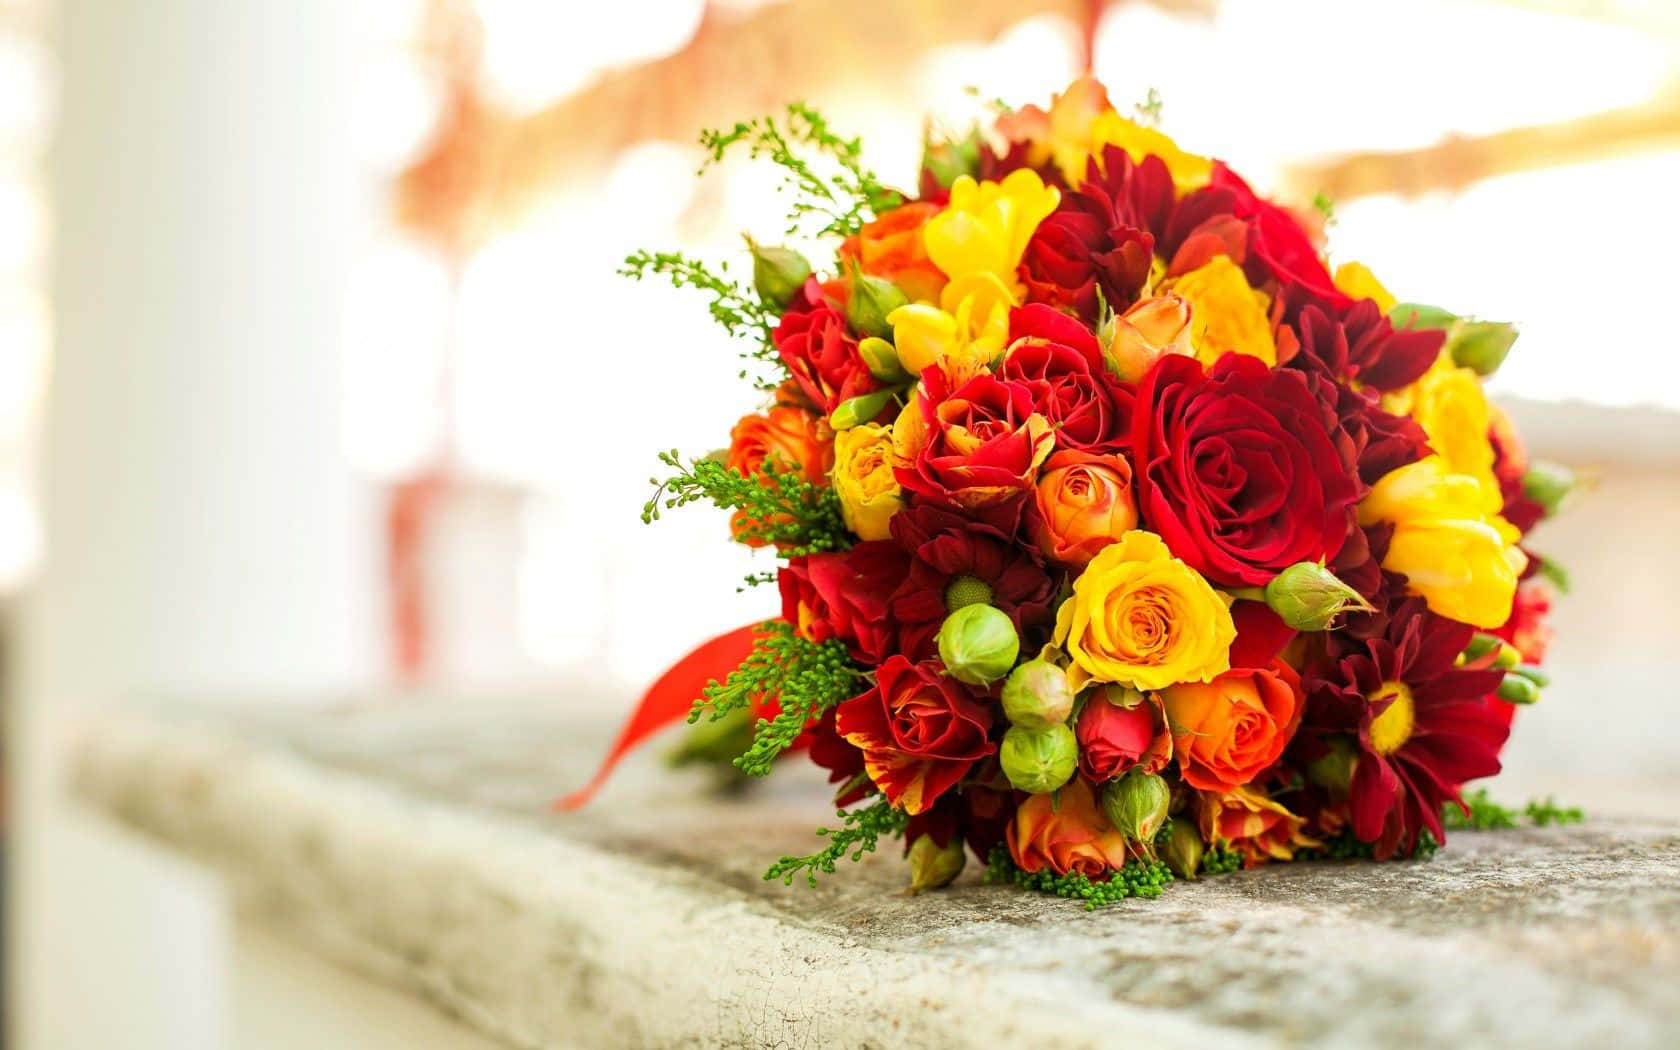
317, 381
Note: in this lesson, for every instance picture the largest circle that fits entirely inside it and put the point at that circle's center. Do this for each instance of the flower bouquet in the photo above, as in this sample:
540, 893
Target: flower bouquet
1118, 536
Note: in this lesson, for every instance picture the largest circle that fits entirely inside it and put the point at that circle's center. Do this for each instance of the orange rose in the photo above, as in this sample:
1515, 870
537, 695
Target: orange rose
1253, 825
1067, 832
1228, 731
1084, 503
891, 247
787, 439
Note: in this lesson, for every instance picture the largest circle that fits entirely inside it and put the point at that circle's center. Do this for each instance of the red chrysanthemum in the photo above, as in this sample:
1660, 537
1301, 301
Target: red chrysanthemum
1421, 726
1358, 345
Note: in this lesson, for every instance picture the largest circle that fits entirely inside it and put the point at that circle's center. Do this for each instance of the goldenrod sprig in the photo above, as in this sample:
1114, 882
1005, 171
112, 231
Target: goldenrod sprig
734, 306
778, 507
861, 830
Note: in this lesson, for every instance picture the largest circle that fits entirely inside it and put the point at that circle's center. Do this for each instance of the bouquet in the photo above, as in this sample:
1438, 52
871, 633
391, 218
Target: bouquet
1117, 535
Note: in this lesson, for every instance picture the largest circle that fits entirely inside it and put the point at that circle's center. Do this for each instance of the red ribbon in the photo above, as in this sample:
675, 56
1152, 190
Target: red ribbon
667, 700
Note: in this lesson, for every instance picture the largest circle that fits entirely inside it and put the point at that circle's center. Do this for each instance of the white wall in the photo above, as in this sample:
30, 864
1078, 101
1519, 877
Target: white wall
205, 533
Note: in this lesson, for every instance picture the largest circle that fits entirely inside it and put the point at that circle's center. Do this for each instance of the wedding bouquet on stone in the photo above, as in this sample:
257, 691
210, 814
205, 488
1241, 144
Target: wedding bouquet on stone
1118, 536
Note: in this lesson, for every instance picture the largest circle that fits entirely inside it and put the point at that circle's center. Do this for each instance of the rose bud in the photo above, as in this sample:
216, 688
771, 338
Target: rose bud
855, 411
872, 299
978, 644
1183, 853
1119, 728
1082, 503
1481, 346
1307, 596
1037, 695
882, 359
1149, 330
778, 273
1038, 761
1333, 770
932, 865
1417, 315
1136, 804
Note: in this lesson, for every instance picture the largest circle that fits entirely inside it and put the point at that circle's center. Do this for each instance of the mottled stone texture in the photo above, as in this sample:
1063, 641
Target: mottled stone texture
413, 842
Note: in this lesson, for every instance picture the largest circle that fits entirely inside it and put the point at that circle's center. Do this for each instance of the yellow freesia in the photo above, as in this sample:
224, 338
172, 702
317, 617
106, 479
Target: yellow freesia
1356, 281
1226, 315
965, 332
1463, 560
987, 225
1450, 405
1189, 171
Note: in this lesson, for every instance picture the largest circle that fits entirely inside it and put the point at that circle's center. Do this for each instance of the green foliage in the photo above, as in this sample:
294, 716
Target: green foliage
1139, 878
860, 831
1487, 815
1346, 847
1322, 204
843, 199
734, 306
1556, 573
780, 507
804, 678
1149, 110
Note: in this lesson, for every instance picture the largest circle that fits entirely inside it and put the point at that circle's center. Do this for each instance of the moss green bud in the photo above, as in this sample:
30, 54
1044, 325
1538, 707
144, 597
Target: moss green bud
1333, 770
1480, 346
872, 299
945, 160
1307, 597
966, 590
1550, 485
1518, 689
1417, 315
932, 865
1037, 695
1038, 761
1136, 804
778, 273
882, 359
855, 411
1481, 645
978, 644
1184, 850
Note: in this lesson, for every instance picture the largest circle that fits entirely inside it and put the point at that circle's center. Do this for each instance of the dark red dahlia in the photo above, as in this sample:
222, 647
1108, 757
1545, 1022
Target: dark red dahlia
1375, 440
1359, 344
1421, 727
946, 547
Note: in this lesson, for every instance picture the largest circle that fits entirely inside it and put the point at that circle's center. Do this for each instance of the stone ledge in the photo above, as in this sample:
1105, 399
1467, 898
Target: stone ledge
412, 843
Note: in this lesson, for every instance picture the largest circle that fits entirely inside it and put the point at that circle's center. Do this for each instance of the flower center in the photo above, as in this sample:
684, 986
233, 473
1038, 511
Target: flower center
1391, 729
967, 590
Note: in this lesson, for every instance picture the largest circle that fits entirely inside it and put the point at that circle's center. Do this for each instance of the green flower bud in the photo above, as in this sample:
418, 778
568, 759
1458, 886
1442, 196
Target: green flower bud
1417, 315
978, 644
715, 740
1307, 596
872, 299
1550, 485
1333, 770
932, 865
1518, 689
1038, 761
947, 160
1037, 695
967, 590
1535, 675
778, 273
855, 411
1509, 657
882, 359
1481, 346
1480, 645
1183, 853
1136, 804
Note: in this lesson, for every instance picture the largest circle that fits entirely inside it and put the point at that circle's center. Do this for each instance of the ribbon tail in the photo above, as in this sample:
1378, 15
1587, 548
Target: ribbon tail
667, 700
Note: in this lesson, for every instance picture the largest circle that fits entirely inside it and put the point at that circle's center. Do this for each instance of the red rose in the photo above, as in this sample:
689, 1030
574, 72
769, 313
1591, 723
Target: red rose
1121, 728
844, 596
1278, 245
975, 446
819, 350
1236, 468
1060, 362
946, 546
920, 731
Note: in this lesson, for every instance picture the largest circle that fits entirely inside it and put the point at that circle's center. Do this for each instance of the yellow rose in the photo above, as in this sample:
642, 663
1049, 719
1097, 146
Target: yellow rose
987, 225
966, 331
1449, 404
1462, 559
863, 478
1140, 617
1149, 330
1225, 313
1356, 281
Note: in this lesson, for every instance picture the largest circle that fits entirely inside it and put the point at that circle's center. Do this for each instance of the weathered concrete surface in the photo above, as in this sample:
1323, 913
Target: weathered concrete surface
413, 843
